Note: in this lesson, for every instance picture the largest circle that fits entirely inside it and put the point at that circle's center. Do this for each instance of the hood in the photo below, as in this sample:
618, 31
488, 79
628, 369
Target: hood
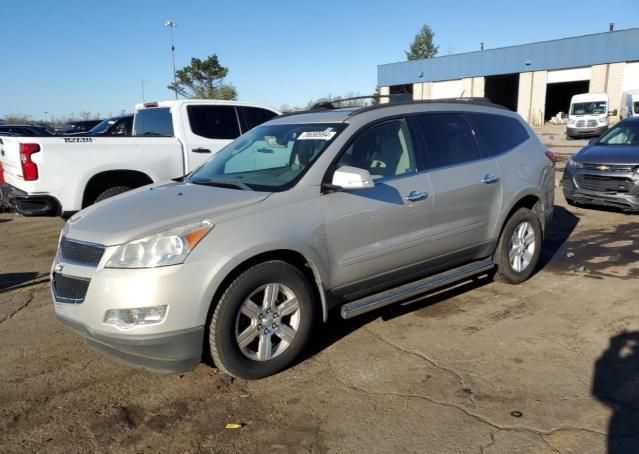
154, 209
608, 154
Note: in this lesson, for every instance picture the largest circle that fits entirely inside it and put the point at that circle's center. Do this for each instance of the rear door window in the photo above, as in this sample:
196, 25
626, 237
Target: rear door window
156, 121
497, 134
214, 122
448, 137
250, 117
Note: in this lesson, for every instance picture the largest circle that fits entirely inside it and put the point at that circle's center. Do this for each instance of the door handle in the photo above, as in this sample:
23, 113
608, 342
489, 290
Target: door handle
489, 179
414, 196
201, 150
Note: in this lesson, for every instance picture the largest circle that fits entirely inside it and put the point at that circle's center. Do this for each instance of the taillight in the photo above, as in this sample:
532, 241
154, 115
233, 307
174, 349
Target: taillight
1, 174
550, 155
29, 168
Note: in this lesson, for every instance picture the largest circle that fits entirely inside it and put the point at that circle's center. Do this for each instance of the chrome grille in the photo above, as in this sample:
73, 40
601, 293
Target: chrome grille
79, 253
69, 289
580, 123
604, 183
609, 167
591, 123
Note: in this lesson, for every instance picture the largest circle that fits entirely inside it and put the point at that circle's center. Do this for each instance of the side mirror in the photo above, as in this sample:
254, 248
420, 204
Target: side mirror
612, 113
347, 177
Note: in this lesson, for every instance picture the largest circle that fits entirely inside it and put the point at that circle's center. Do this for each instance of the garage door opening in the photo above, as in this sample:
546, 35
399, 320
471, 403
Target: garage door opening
503, 90
402, 90
558, 96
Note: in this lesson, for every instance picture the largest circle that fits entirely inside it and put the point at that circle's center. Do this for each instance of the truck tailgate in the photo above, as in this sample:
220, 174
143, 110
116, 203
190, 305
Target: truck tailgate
10, 159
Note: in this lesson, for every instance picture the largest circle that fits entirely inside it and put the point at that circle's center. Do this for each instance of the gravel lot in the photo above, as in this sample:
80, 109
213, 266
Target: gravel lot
547, 366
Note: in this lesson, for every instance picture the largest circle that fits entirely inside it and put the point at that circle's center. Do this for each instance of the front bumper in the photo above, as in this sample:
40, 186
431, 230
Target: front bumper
586, 132
175, 344
29, 204
173, 352
626, 199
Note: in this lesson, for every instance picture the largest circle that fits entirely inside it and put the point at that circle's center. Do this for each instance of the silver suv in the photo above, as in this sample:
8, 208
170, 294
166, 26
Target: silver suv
355, 208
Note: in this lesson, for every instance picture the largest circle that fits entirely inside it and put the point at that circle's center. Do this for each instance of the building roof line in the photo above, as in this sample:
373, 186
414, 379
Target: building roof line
512, 46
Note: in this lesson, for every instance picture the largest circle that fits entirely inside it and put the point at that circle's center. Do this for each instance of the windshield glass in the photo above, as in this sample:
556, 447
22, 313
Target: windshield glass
622, 134
589, 108
269, 157
102, 126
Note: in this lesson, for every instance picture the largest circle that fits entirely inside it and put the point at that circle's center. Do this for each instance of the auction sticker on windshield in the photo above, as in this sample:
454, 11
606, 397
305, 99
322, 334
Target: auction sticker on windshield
317, 135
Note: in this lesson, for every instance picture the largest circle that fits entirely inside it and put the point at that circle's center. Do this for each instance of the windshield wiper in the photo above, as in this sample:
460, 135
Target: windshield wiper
223, 183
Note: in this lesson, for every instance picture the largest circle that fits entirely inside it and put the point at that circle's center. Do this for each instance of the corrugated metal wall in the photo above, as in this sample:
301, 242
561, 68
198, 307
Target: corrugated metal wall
609, 47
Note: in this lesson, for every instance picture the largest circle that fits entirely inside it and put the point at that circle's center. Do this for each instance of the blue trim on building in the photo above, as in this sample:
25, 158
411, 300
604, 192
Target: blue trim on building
579, 51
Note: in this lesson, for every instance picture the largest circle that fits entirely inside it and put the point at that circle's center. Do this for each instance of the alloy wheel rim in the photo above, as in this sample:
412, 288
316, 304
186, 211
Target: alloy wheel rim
267, 322
522, 246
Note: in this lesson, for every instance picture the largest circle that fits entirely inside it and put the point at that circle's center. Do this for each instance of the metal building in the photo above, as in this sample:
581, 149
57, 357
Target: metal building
537, 80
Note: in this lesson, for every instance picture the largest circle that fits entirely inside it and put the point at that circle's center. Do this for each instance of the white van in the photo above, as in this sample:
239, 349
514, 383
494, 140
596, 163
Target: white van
588, 115
630, 104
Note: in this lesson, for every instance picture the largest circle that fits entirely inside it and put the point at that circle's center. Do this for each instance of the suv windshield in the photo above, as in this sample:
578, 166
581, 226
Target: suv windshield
623, 134
589, 108
267, 158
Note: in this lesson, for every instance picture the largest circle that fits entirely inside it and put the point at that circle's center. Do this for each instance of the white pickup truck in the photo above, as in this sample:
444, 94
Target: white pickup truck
57, 176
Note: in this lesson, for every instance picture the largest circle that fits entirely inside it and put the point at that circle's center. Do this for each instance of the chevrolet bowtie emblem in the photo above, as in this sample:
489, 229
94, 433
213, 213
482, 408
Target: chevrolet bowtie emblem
603, 168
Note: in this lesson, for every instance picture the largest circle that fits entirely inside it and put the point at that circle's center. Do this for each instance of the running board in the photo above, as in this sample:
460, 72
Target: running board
396, 294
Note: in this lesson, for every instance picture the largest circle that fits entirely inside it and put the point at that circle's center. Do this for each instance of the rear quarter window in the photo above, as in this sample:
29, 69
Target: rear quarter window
497, 134
250, 117
214, 122
156, 121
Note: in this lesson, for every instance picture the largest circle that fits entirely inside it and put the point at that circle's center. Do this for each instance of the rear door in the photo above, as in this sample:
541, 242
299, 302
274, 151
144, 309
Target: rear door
375, 235
466, 186
210, 128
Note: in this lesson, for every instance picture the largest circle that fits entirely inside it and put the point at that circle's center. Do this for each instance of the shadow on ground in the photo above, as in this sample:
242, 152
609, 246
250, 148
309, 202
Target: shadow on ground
336, 328
19, 280
616, 384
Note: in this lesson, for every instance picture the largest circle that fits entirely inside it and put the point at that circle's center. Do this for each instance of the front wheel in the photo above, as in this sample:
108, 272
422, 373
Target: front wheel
519, 247
262, 321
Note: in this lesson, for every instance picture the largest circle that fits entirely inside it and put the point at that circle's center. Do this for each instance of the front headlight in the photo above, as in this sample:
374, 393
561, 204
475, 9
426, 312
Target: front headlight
572, 121
575, 164
603, 121
162, 249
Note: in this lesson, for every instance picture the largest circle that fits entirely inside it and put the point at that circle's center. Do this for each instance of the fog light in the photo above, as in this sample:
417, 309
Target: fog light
128, 318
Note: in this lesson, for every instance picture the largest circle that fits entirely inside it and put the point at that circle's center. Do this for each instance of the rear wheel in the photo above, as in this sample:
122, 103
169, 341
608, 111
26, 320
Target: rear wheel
519, 247
262, 321
111, 192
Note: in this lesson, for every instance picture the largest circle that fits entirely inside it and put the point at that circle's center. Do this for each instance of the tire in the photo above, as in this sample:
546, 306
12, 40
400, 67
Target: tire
260, 358
111, 192
520, 226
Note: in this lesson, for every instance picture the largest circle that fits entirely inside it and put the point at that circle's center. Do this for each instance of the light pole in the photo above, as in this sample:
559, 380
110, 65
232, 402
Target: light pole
171, 25
45, 116
142, 82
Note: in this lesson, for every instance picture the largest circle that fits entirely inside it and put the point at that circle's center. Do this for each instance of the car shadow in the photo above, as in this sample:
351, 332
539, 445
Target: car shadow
337, 328
616, 384
14, 281
563, 224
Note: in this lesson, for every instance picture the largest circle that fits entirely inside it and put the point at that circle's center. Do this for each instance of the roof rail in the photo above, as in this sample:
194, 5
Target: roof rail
392, 99
473, 100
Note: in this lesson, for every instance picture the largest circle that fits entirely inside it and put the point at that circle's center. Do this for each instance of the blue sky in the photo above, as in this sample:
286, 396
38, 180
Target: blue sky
71, 56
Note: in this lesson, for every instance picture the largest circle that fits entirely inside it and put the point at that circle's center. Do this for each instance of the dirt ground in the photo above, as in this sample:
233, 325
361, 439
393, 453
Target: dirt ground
551, 365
